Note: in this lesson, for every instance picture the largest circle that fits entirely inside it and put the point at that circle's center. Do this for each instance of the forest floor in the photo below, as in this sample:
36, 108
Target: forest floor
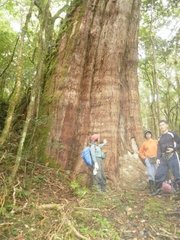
49, 206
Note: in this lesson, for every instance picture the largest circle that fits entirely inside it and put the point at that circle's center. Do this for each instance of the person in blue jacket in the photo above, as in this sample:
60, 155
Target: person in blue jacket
99, 178
167, 157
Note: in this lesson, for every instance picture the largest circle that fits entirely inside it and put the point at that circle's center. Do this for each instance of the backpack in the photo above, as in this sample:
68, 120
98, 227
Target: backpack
86, 156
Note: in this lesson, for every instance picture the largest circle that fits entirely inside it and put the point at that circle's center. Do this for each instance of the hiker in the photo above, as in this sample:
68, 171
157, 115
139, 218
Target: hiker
148, 153
167, 157
99, 179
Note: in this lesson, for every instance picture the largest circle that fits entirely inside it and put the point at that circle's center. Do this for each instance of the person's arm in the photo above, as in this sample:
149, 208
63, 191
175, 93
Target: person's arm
156, 147
176, 146
93, 153
159, 153
142, 152
103, 144
177, 141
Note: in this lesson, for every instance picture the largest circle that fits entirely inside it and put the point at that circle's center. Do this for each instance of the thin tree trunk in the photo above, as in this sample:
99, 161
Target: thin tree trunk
16, 94
154, 75
44, 40
177, 119
30, 112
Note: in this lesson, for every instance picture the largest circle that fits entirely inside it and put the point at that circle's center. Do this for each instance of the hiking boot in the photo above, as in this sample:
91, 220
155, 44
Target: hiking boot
157, 192
176, 188
177, 191
151, 186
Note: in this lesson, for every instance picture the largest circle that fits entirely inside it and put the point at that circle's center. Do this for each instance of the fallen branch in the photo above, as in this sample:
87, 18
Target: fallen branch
164, 234
19, 209
55, 185
170, 235
8, 223
79, 235
3, 156
173, 213
14, 193
152, 236
88, 209
51, 206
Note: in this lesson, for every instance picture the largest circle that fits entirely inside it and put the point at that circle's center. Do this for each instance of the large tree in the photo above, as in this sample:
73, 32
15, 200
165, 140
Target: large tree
94, 86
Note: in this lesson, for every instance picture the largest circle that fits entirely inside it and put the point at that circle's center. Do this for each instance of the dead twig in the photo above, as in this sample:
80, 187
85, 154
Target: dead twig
7, 223
55, 185
173, 213
3, 156
164, 234
59, 228
88, 209
175, 230
51, 206
170, 235
152, 236
19, 209
14, 193
78, 234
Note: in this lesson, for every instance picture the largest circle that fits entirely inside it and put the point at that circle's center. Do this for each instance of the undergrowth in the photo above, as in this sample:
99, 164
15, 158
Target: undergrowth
49, 206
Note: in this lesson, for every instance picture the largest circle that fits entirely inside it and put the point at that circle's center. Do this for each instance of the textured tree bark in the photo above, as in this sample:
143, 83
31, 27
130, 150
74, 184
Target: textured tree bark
94, 88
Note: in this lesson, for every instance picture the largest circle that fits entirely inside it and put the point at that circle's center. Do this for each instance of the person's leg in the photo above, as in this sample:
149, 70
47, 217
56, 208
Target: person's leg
160, 175
102, 179
99, 179
151, 174
150, 169
154, 168
174, 165
96, 181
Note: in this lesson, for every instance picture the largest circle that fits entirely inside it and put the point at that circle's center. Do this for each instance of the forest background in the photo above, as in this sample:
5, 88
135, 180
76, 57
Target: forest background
30, 31
29, 36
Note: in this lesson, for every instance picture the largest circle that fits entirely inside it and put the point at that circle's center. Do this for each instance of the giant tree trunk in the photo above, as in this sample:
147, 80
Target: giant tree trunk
94, 88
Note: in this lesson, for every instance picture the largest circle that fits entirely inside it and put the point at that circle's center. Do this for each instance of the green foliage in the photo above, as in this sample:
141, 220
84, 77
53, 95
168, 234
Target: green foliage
105, 227
154, 210
158, 65
22, 194
7, 43
96, 226
78, 189
39, 179
3, 211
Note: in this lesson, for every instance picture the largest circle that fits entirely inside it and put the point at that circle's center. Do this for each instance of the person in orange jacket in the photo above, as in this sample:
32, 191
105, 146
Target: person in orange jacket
148, 154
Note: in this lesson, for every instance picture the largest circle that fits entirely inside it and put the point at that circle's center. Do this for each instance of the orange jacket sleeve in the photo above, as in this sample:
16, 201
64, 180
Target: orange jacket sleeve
141, 152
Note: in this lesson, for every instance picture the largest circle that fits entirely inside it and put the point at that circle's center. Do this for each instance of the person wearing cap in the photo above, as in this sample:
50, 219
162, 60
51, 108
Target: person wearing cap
148, 153
99, 179
167, 157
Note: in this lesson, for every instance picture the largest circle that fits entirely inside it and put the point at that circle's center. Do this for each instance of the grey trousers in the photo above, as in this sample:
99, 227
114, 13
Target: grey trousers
99, 180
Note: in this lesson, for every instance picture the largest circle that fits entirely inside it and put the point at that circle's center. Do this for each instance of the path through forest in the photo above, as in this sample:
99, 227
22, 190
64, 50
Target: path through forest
51, 207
